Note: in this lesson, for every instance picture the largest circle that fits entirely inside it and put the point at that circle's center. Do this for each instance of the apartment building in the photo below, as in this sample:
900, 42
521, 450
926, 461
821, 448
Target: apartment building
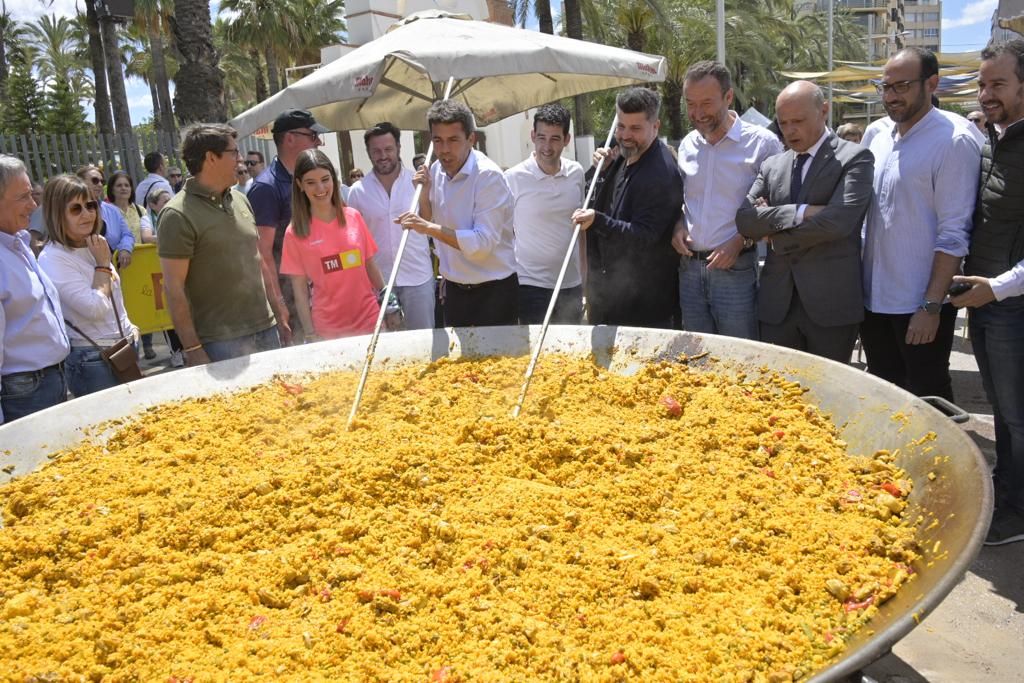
922, 21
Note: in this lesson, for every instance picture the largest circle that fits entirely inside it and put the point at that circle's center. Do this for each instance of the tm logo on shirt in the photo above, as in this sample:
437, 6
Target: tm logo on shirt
343, 261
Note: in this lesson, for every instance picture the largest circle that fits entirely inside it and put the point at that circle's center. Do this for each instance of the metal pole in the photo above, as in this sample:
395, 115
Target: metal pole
831, 17
391, 285
561, 276
720, 29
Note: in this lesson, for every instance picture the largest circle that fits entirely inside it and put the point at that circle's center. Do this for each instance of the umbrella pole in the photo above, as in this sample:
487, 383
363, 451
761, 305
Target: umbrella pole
391, 283
561, 276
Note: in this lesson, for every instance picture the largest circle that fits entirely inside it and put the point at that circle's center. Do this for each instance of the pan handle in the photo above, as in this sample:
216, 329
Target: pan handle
947, 408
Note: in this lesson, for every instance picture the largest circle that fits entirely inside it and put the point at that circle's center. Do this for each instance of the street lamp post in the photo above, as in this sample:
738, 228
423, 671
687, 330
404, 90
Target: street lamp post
720, 30
831, 16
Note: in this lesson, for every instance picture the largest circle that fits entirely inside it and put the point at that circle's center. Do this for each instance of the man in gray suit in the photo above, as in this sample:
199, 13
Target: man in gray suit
809, 203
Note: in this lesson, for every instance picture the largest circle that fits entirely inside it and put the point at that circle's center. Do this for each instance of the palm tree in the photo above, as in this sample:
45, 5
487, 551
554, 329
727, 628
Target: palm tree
115, 74
541, 9
151, 18
12, 38
268, 25
243, 75
58, 52
203, 98
101, 102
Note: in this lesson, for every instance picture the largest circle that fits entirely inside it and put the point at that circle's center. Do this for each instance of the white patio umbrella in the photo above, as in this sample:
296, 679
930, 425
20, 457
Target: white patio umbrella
498, 71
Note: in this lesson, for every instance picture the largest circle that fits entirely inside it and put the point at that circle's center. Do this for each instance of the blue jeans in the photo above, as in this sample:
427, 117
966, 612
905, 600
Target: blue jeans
719, 301
534, 302
997, 335
88, 372
23, 393
267, 340
417, 305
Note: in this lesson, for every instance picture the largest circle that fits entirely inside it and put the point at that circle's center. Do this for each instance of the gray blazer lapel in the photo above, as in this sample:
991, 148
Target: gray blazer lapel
826, 153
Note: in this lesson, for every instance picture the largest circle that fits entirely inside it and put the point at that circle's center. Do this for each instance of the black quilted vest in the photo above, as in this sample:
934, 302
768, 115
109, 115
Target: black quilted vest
997, 241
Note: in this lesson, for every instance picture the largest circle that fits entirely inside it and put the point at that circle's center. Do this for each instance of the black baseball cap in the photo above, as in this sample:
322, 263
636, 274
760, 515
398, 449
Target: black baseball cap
294, 119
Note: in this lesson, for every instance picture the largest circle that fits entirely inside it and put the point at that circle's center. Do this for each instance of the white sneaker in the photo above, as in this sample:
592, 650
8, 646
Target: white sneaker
177, 359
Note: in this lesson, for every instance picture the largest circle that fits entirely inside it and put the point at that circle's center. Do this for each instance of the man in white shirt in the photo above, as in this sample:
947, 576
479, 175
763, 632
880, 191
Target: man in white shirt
917, 228
546, 190
156, 167
719, 159
995, 273
466, 208
381, 197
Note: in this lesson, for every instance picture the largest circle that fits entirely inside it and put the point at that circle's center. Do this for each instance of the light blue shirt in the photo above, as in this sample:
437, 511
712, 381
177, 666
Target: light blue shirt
716, 179
477, 204
32, 335
119, 235
148, 184
924, 192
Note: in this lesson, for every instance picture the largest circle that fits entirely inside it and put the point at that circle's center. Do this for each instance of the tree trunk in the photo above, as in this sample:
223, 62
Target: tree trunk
275, 83
158, 108
261, 83
574, 29
200, 95
3, 62
115, 77
156, 47
544, 21
104, 120
672, 93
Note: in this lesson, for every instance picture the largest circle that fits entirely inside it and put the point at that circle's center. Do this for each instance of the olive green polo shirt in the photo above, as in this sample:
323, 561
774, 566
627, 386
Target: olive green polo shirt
217, 233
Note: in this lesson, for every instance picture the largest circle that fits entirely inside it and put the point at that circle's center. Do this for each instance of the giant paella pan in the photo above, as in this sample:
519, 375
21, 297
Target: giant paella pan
68, 571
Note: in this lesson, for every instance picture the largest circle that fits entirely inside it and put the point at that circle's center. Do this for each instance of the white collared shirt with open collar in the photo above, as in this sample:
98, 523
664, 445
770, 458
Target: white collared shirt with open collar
716, 179
379, 210
924, 192
477, 205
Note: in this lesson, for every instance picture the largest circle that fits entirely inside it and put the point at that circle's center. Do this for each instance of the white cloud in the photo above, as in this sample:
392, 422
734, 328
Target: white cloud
977, 12
30, 10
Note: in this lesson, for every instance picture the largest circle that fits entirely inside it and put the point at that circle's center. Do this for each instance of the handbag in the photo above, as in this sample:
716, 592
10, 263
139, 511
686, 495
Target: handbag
121, 355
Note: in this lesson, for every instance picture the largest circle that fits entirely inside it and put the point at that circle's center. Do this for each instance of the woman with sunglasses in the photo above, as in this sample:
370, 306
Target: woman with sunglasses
329, 245
113, 226
77, 259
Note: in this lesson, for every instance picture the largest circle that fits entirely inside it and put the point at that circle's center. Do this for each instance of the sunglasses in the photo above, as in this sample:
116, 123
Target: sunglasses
311, 136
76, 209
96, 181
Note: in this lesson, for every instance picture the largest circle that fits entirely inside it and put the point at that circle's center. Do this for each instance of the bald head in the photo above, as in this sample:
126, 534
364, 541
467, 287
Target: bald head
802, 112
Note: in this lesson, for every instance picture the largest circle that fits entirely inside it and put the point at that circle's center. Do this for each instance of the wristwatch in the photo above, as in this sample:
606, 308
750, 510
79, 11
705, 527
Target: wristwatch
933, 307
747, 243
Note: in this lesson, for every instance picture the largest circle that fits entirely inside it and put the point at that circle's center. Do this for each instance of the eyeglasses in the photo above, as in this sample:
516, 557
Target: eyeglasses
232, 150
76, 209
250, 162
95, 180
311, 136
899, 87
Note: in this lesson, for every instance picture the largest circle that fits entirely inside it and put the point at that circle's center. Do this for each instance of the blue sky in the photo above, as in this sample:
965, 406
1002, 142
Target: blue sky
966, 25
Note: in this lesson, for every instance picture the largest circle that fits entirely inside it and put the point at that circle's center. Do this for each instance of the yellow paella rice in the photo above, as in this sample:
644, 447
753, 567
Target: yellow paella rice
672, 525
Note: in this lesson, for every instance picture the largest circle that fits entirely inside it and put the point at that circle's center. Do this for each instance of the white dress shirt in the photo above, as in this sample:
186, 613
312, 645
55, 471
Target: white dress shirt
72, 271
477, 205
716, 179
542, 216
924, 192
379, 210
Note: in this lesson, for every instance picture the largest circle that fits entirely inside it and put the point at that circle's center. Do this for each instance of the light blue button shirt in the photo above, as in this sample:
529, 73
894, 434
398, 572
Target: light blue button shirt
32, 334
477, 204
119, 235
716, 179
924, 191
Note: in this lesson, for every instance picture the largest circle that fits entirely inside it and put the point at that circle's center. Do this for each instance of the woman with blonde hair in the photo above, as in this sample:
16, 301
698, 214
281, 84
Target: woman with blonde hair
77, 259
329, 246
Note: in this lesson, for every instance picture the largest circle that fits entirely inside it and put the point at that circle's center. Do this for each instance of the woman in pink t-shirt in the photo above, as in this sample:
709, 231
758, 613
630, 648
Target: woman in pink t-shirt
329, 246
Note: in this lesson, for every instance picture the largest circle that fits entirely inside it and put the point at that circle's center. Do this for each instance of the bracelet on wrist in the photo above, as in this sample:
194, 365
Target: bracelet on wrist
192, 348
106, 269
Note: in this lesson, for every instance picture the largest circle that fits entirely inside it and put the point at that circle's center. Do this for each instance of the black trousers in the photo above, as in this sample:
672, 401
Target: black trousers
798, 331
921, 369
495, 302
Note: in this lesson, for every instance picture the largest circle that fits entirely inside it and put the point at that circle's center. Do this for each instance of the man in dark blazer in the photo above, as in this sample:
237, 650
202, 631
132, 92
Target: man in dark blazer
809, 203
631, 265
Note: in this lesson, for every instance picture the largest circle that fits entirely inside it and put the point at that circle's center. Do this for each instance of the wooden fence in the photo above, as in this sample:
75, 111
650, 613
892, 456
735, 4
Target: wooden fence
50, 155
